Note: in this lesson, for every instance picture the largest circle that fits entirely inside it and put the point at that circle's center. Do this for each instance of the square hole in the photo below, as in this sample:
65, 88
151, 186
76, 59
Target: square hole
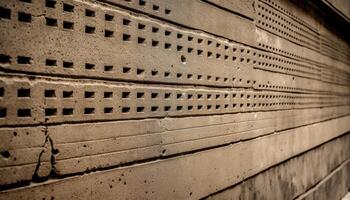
155, 7
5, 59
67, 64
67, 111
108, 110
154, 108
67, 94
108, 68
140, 109
141, 26
2, 92
89, 66
140, 71
51, 21
140, 95
108, 94
50, 3
68, 8
68, 25
24, 113
109, 17
126, 22
125, 109
89, 13
109, 33
89, 111
24, 17
5, 13
50, 111
3, 112
23, 92
125, 95
50, 93
51, 62
126, 37
141, 40
89, 94
90, 29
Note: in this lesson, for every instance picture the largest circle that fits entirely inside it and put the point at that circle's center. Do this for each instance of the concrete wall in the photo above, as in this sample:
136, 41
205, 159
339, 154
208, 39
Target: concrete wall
173, 99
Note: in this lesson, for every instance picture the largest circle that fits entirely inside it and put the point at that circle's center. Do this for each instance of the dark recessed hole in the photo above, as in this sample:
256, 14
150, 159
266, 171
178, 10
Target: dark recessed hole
154, 108
50, 3
26, 1
125, 94
209, 54
68, 8
141, 40
167, 11
24, 17
179, 35
209, 42
90, 29
199, 52
67, 64
189, 107
167, 95
89, 94
167, 108
199, 96
50, 111
68, 25
199, 107
155, 29
179, 48
108, 94
88, 111
89, 13
23, 60
208, 107
217, 106
108, 68
24, 113
108, 110
189, 76
140, 109
3, 112
50, 93
154, 95
178, 108
189, 50
5, 154
51, 21
200, 40
154, 73
178, 75
166, 74
126, 37
23, 92
179, 95
208, 96
140, 71
155, 43
67, 111
67, 94
126, 22
167, 45
167, 33
190, 38
140, 95
89, 66
5, 59
51, 62
5, 13
109, 17
141, 26
183, 59
155, 7
126, 69
189, 96
199, 77
142, 2
109, 33
125, 109
2, 92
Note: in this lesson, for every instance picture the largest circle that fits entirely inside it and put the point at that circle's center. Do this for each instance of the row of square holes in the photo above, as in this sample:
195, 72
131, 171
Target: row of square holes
25, 17
25, 92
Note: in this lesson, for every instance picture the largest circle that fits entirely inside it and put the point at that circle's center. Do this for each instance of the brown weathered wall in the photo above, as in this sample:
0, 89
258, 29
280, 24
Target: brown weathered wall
174, 99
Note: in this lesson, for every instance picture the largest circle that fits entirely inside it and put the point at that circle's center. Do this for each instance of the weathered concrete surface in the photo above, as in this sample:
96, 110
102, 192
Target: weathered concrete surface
179, 98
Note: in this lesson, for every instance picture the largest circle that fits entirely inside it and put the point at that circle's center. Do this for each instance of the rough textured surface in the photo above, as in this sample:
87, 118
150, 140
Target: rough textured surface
174, 99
